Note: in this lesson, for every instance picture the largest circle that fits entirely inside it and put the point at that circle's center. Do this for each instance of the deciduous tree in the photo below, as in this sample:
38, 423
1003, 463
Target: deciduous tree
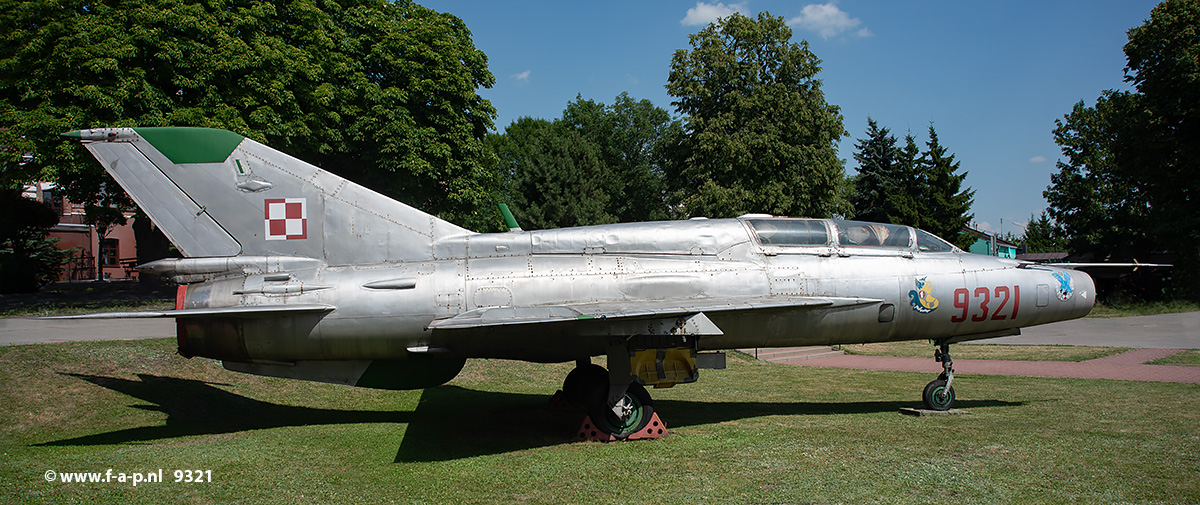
383, 92
28, 258
1129, 182
556, 177
635, 140
759, 135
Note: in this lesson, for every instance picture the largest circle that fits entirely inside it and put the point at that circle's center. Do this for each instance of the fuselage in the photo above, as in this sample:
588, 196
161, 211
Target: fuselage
913, 286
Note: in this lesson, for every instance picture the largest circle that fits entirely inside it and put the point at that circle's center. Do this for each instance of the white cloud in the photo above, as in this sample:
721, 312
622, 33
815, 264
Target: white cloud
1037, 159
985, 226
827, 20
522, 76
704, 13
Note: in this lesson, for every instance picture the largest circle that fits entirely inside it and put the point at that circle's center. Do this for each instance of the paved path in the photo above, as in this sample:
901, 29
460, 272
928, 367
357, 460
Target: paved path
1153, 337
1125, 366
18, 331
1163, 331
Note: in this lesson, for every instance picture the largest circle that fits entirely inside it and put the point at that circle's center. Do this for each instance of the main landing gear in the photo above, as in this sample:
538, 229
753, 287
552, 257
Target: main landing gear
615, 400
615, 411
939, 394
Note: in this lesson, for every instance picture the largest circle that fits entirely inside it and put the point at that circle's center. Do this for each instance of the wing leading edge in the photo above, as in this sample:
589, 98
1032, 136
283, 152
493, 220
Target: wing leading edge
247, 311
599, 313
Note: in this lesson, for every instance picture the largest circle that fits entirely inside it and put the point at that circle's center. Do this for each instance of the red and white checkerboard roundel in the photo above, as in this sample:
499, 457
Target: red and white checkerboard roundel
287, 218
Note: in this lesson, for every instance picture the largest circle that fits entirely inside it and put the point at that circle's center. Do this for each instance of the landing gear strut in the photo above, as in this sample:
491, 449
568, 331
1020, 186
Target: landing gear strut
939, 394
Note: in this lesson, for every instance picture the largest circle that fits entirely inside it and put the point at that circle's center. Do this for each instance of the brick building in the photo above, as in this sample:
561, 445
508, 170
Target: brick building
115, 252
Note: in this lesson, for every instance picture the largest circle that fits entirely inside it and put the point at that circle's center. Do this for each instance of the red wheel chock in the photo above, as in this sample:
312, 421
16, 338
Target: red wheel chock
654, 429
559, 403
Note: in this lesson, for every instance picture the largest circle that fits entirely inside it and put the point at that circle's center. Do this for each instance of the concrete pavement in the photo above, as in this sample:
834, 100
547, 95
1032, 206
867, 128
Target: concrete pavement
1162, 331
19, 331
1124, 366
1153, 337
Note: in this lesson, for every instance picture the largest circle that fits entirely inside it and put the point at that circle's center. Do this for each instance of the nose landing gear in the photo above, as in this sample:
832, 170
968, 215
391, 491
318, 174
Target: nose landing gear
939, 393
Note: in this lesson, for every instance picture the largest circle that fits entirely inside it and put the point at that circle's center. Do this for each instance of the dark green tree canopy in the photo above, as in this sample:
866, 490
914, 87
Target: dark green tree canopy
911, 185
1042, 235
1091, 196
556, 177
876, 185
1128, 185
378, 91
28, 259
635, 139
908, 186
946, 206
760, 136
597, 164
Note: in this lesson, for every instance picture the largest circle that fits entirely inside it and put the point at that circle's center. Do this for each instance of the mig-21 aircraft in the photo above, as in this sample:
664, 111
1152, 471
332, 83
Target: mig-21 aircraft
291, 271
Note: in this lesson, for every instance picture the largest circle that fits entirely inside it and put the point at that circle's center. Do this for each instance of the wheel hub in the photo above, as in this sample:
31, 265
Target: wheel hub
624, 408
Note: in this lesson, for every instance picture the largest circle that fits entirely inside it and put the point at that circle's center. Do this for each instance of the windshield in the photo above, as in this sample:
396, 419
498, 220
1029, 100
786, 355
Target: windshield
928, 242
790, 231
862, 234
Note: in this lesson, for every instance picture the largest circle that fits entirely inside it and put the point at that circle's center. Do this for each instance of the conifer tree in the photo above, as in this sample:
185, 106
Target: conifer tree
875, 186
946, 208
911, 185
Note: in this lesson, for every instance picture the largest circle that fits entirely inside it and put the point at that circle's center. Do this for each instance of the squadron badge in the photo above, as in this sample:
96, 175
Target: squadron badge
1065, 285
922, 297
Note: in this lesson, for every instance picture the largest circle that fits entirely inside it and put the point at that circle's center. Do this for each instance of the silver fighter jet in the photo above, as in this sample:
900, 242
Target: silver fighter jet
291, 271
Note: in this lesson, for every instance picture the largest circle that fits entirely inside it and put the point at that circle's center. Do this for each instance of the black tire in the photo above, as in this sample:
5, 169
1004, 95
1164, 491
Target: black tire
585, 386
937, 396
608, 422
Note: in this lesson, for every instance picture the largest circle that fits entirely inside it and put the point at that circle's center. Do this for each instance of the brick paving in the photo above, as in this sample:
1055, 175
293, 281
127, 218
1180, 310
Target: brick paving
1125, 366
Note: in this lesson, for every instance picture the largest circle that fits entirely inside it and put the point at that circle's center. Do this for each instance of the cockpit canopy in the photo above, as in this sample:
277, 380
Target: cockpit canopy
818, 232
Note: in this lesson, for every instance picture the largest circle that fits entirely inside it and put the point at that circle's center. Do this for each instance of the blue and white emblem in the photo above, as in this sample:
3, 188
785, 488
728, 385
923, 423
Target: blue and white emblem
1065, 285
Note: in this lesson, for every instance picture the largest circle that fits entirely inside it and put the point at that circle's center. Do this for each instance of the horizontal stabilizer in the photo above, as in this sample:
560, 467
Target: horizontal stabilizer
604, 311
248, 311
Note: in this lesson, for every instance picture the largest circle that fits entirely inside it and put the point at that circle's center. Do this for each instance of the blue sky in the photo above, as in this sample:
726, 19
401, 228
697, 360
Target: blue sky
992, 76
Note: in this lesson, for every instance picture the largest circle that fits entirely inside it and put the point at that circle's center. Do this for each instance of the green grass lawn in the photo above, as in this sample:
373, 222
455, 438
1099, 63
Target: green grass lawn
68, 298
1190, 357
753, 433
71, 308
1128, 309
924, 349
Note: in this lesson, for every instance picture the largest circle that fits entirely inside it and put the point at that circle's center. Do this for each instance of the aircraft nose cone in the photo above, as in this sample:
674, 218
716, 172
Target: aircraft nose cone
1086, 287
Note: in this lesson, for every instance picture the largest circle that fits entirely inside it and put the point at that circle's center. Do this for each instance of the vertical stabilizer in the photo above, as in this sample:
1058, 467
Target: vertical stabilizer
216, 193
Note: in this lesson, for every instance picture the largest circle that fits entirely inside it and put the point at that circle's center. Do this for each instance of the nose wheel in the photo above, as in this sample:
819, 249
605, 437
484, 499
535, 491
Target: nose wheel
939, 393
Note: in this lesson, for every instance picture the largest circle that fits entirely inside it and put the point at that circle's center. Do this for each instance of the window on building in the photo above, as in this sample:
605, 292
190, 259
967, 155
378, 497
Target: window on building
50, 197
109, 252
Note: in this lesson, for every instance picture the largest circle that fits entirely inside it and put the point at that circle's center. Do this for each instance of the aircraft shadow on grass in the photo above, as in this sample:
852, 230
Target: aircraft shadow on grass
449, 423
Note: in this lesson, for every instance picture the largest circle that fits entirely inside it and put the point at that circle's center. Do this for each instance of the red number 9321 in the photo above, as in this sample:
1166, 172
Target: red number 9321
1001, 297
